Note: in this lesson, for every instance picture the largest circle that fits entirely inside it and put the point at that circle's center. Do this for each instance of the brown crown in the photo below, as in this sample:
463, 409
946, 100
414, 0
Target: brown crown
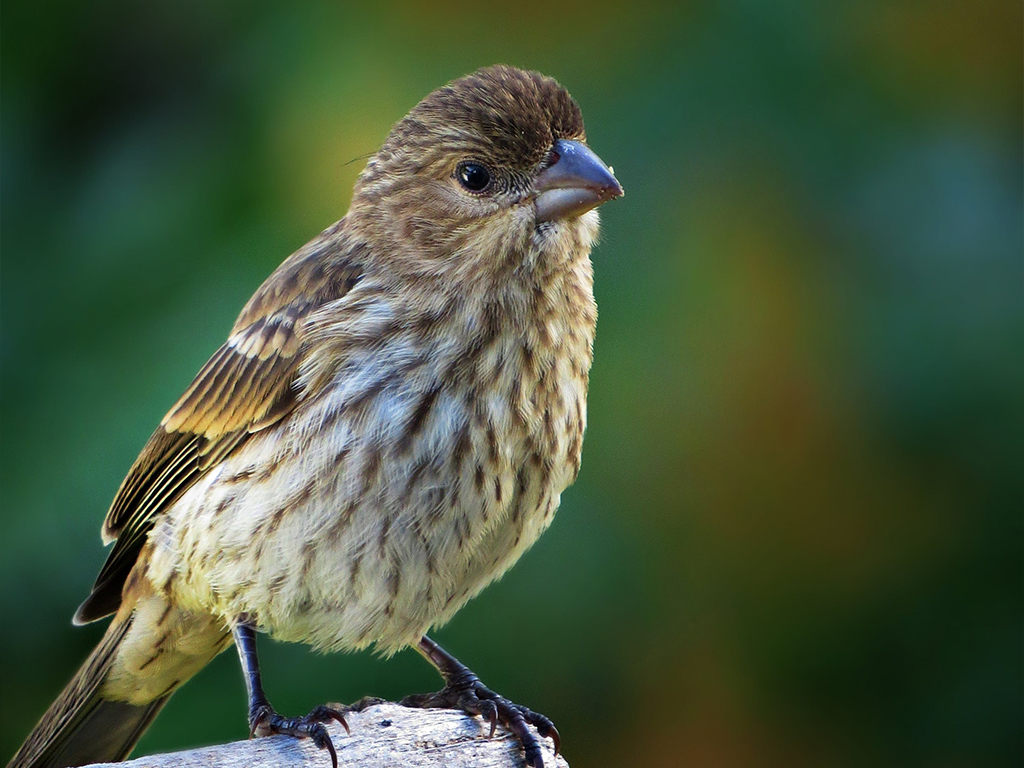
510, 115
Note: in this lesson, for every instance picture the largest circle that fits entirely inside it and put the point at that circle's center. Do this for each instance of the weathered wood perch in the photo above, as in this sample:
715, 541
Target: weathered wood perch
384, 735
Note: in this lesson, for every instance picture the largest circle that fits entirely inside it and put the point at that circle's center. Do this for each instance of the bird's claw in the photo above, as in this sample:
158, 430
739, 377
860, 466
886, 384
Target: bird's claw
474, 698
264, 721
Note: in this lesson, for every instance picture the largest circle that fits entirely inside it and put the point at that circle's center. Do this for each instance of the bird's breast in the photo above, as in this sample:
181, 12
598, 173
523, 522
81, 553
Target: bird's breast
417, 476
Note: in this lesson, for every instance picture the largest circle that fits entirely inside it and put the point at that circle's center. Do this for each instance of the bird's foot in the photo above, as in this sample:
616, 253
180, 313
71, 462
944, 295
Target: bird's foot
264, 721
465, 692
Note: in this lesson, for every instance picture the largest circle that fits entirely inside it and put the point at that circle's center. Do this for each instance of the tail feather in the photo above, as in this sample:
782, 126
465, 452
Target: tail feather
107, 733
81, 727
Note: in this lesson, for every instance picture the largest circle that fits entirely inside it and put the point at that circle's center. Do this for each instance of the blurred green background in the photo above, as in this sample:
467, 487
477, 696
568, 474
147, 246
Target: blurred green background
797, 536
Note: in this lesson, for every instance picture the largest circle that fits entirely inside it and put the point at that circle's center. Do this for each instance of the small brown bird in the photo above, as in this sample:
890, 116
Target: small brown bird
388, 427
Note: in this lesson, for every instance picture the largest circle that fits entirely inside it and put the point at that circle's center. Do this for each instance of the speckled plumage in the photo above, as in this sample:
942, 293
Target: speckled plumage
392, 420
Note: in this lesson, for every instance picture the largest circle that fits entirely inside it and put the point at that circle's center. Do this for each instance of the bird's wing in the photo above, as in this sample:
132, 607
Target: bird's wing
248, 385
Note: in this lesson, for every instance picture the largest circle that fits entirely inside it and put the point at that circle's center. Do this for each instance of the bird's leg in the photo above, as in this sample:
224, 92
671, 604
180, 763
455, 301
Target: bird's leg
263, 719
464, 691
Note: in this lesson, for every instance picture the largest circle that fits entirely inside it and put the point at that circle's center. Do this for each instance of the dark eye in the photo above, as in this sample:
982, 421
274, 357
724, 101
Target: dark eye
474, 177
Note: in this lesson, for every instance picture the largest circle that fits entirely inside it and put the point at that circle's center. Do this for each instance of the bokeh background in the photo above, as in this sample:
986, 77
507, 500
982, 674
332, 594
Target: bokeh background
797, 536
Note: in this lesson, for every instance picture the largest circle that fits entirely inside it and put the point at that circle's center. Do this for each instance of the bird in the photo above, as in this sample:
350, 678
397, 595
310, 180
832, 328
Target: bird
388, 427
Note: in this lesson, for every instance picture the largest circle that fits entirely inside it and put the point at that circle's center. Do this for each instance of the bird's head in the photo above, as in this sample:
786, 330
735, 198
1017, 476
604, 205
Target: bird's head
491, 168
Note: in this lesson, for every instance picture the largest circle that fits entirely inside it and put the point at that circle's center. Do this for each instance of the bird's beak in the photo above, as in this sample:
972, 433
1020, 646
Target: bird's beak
575, 183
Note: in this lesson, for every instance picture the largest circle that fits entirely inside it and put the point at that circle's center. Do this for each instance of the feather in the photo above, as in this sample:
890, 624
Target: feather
248, 385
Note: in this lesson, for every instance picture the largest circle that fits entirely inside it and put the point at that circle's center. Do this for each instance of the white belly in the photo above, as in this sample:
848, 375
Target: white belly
338, 531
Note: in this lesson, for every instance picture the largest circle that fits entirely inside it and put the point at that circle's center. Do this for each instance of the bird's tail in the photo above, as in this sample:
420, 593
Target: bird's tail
82, 727
121, 687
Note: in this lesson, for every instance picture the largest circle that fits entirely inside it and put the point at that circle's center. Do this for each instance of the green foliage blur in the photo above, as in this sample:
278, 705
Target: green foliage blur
797, 536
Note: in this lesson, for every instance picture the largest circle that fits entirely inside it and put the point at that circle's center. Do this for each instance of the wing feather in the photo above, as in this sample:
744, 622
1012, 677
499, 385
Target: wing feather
248, 385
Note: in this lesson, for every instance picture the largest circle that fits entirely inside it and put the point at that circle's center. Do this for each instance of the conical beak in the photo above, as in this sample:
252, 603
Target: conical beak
575, 183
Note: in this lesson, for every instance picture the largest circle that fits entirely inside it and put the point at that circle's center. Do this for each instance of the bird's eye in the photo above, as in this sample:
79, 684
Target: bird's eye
474, 177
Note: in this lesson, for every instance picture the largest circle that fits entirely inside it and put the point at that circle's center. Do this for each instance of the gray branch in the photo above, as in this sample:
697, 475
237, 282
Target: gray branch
383, 736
